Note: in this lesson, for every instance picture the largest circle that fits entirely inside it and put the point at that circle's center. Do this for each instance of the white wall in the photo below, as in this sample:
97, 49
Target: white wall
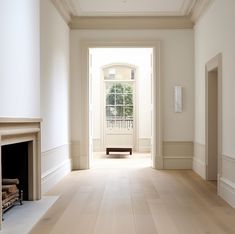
54, 95
19, 58
177, 68
139, 57
215, 33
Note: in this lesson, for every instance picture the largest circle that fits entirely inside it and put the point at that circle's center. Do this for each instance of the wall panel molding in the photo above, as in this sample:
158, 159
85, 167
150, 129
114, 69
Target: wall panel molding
144, 145
199, 167
227, 190
178, 154
54, 171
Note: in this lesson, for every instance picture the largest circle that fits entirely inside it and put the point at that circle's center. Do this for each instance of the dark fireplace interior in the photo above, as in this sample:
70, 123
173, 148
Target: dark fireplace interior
15, 164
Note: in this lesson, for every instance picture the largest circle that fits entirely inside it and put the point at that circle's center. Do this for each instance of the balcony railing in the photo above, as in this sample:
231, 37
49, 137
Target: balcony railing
120, 124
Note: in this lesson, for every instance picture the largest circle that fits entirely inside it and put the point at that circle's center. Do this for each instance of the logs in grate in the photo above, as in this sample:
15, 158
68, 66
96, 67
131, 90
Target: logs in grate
11, 194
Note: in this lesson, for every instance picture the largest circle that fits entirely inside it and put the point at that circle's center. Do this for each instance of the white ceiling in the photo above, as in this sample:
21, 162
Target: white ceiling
129, 7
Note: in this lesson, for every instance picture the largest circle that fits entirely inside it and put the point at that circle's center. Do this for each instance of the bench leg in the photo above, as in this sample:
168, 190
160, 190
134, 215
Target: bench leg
107, 152
130, 151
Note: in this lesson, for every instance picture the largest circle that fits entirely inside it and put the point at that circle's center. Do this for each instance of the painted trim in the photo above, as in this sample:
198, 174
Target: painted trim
212, 64
178, 149
157, 115
54, 174
178, 154
177, 162
228, 157
199, 167
63, 9
199, 161
184, 9
75, 155
178, 157
200, 8
190, 12
19, 120
227, 191
226, 182
133, 22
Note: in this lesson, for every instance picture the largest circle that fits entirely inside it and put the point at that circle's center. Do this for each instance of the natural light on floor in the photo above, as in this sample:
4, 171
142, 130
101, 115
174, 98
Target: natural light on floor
121, 160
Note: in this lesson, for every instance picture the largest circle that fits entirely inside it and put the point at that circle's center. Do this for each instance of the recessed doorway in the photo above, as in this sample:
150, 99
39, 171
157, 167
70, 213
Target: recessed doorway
87, 106
121, 102
213, 118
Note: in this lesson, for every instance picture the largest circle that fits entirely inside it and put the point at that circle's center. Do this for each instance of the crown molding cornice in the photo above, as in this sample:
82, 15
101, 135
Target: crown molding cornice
64, 9
132, 22
200, 7
192, 9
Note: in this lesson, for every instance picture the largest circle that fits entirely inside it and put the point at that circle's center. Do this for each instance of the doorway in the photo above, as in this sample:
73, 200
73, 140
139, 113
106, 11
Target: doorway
87, 106
213, 118
121, 100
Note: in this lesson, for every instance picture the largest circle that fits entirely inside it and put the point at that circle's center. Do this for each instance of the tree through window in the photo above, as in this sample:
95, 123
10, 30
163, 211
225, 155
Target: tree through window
119, 97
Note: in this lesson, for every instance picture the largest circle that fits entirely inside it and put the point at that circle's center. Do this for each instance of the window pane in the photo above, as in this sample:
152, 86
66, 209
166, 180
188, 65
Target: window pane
110, 112
110, 87
110, 99
119, 99
119, 111
119, 88
128, 88
128, 112
128, 99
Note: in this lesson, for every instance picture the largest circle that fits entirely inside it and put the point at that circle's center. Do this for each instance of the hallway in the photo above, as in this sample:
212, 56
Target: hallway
136, 199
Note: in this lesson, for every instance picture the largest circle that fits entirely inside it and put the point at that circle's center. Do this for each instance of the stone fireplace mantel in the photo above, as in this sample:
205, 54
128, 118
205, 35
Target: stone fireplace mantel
18, 130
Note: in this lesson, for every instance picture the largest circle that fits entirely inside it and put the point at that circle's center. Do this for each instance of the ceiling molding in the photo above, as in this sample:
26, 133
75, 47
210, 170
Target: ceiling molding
63, 8
161, 22
187, 7
190, 12
129, 14
200, 7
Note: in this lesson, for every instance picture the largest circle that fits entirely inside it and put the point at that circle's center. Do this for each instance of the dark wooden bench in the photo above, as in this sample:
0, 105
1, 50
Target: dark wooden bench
112, 149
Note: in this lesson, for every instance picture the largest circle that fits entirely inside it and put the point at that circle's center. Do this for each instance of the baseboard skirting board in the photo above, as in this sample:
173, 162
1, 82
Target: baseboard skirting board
199, 167
178, 154
178, 162
199, 161
56, 163
227, 191
54, 175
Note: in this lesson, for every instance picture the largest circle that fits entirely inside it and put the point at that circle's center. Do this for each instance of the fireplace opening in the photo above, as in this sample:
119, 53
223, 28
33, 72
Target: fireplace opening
15, 165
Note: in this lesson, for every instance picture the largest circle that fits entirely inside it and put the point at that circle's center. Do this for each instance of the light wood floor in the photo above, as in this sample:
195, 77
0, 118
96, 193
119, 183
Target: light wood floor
126, 197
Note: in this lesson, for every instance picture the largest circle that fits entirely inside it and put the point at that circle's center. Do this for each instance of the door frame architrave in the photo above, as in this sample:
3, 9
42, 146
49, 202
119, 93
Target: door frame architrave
156, 140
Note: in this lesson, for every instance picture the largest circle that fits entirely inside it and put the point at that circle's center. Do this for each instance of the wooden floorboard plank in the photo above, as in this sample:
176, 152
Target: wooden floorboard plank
126, 196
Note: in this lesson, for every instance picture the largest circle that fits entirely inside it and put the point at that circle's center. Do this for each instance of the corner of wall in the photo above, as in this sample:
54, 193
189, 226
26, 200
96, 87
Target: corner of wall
199, 165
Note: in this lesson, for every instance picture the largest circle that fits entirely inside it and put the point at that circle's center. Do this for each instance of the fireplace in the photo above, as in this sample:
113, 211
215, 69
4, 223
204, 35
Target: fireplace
15, 165
20, 156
